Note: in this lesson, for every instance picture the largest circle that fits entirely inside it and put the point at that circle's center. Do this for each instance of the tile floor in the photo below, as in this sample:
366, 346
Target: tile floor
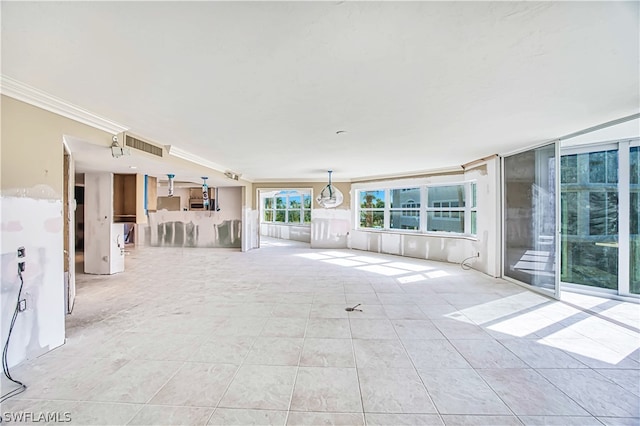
211, 336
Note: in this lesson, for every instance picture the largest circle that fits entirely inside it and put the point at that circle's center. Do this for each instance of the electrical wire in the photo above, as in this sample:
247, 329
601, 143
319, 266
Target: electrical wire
467, 266
5, 363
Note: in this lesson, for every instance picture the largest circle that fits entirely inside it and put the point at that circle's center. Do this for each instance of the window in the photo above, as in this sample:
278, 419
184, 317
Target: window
445, 208
404, 209
474, 208
372, 208
407, 208
287, 206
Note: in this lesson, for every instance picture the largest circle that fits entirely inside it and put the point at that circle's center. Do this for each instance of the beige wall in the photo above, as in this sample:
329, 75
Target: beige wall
32, 194
344, 187
32, 148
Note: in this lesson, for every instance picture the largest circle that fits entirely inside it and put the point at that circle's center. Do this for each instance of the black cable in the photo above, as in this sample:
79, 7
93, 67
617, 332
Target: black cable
5, 363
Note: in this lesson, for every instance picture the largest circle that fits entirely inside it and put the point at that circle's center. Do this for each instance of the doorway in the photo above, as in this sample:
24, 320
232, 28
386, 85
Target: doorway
600, 217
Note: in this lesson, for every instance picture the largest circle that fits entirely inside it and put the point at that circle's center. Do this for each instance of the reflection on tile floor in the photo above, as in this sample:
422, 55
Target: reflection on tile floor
213, 336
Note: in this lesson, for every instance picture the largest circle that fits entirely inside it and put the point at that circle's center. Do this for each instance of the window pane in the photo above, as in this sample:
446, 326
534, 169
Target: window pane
268, 203
294, 216
474, 223
294, 201
603, 213
372, 199
634, 159
268, 215
612, 166
281, 202
529, 215
569, 213
280, 215
401, 197
597, 167
307, 201
405, 219
448, 194
474, 195
307, 216
634, 217
569, 169
597, 213
372, 219
634, 221
446, 222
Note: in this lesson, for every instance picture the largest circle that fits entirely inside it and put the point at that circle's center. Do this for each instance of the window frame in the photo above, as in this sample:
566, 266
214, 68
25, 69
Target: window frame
286, 193
423, 210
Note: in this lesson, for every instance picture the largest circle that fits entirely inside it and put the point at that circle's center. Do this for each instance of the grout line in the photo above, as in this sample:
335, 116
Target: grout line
295, 378
236, 372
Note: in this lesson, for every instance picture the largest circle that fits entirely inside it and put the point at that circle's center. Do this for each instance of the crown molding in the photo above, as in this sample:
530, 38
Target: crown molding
196, 159
30, 95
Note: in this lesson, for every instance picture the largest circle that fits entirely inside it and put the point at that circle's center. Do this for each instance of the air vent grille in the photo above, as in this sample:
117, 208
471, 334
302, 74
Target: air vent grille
143, 146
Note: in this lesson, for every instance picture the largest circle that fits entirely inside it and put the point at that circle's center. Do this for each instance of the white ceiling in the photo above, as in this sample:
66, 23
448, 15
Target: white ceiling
262, 88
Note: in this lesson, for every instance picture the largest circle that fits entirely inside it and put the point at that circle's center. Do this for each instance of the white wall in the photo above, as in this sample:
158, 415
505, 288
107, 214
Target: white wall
102, 238
32, 216
330, 228
35, 224
300, 233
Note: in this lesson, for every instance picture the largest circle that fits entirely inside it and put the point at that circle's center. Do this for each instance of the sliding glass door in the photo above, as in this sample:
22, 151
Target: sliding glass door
634, 218
530, 217
600, 217
589, 218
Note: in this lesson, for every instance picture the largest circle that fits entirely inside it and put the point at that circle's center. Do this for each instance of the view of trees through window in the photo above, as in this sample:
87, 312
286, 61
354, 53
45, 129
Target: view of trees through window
287, 206
442, 208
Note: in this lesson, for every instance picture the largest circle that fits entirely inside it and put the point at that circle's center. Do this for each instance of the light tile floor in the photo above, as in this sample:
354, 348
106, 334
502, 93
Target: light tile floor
210, 336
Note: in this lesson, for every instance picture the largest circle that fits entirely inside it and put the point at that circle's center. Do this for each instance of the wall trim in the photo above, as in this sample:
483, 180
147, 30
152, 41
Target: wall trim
189, 156
25, 93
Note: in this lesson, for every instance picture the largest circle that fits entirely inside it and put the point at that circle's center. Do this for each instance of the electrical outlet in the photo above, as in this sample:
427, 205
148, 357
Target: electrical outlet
22, 306
22, 253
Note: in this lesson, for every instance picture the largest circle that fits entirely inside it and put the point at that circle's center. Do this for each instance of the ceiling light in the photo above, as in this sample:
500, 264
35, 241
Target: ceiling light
330, 196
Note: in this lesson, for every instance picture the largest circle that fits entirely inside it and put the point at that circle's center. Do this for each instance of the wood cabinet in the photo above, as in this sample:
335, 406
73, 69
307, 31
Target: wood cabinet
196, 200
125, 198
129, 197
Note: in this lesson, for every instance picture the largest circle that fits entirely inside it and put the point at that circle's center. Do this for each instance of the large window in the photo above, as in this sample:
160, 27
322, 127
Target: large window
287, 206
426, 208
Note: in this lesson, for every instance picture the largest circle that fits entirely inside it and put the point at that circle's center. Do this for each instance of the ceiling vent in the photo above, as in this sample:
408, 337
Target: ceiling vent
132, 142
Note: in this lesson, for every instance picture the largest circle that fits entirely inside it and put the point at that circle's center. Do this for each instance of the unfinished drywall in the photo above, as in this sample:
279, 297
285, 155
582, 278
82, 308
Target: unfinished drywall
330, 228
32, 216
221, 228
103, 239
35, 224
300, 233
442, 247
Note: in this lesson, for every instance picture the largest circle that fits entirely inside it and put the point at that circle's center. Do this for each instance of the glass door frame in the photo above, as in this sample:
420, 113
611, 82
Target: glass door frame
556, 292
623, 146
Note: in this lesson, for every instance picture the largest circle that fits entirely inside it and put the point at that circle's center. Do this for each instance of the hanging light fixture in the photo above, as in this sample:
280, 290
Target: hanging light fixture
171, 176
205, 193
330, 196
